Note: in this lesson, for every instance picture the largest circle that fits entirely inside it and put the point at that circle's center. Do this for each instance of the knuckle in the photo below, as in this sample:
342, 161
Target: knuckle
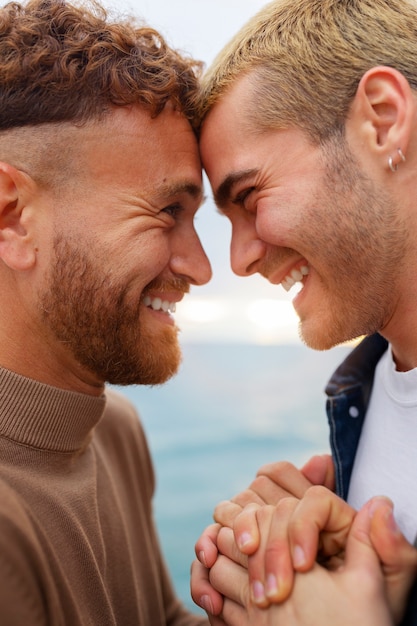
297, 526
225, 511
274, 551
248, 496
318, 491
224, 532
264, 513
244, 497
251, 508
276, 469
286, 505
260, 483
224, 504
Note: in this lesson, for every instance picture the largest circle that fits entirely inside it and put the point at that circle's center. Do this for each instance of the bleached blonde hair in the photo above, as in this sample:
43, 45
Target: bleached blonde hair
307, 57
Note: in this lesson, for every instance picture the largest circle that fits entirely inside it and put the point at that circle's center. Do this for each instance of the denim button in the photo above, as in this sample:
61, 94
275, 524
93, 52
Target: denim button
354, 411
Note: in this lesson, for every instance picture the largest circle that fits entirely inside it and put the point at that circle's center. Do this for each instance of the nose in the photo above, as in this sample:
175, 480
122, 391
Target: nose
189, 259
246, 249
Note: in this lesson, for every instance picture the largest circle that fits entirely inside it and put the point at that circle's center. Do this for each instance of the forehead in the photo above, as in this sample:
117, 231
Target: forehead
227, 123
129, 147
230, 109
236, 154
230, 143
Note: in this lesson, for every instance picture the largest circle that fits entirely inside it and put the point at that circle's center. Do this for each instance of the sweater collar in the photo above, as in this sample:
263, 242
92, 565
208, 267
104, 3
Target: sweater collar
45, 417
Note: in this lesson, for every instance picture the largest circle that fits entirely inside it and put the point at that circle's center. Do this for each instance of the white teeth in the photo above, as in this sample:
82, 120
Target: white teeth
157, 304
287, 283
295, 276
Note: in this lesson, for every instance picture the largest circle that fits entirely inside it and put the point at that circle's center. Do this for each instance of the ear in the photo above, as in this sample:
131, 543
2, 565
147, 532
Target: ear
16, 247
384, 108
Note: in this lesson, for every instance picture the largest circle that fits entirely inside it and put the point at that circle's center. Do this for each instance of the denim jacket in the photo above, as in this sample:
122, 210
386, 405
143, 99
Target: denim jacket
348, 393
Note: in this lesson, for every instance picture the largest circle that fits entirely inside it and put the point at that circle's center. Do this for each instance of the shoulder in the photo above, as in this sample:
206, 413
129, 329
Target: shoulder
16, 525
21, 561
12, 510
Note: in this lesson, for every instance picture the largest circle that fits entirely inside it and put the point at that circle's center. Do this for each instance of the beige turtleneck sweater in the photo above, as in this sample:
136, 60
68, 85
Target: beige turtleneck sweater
78, 545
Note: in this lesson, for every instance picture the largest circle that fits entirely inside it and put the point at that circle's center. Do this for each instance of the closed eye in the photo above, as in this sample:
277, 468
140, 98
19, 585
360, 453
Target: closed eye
240, 198
173, 209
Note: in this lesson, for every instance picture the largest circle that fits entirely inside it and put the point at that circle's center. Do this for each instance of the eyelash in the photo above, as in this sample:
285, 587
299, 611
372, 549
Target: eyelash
173, 209
242, 196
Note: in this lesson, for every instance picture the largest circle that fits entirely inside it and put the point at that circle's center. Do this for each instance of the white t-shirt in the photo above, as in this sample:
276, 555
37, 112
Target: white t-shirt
386, 459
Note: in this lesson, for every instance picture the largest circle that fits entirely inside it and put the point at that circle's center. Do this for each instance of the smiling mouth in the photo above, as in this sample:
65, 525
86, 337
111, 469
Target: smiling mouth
295, 276
157, 304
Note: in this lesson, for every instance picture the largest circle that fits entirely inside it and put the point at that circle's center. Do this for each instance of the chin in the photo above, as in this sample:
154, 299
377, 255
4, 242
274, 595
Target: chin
317, 339
146, 373
153, 360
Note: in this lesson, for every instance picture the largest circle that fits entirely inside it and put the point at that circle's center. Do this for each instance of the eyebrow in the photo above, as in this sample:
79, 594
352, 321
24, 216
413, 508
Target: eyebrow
224, 191
195, 191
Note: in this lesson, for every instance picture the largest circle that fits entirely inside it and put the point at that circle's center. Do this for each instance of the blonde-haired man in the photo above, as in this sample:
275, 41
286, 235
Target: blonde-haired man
308, 134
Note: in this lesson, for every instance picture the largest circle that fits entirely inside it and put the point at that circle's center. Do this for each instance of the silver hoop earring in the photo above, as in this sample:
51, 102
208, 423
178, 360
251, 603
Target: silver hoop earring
392, 167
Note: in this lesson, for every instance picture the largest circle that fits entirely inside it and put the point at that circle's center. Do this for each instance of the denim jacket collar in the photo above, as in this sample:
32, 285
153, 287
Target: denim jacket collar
348, 392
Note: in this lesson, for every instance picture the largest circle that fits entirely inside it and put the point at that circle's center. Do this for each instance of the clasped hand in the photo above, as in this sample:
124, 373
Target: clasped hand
288, 551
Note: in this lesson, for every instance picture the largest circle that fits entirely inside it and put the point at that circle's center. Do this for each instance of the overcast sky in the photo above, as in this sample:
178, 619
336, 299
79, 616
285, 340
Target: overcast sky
228, 306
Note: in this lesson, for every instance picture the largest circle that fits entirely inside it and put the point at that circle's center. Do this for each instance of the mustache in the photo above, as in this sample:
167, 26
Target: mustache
168, 284
275, 257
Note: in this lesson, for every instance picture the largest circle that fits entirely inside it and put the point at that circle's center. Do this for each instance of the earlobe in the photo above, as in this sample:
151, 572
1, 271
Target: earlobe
16, 249
386, 104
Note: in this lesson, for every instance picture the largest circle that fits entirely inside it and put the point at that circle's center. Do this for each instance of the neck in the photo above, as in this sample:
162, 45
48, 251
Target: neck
46, 363
404, 346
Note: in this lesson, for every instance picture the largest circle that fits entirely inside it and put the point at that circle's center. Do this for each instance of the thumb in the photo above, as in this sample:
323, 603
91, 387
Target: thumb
376, 547
397, 555
319, 470
360, 551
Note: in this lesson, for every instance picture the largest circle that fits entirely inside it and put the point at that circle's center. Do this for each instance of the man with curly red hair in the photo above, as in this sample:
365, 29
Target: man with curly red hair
100, 180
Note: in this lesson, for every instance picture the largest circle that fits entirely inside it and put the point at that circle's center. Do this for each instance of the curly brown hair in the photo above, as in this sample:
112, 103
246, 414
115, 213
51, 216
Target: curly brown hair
61, 62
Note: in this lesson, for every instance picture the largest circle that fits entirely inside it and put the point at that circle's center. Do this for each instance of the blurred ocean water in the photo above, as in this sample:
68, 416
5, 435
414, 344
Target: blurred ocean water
231, 408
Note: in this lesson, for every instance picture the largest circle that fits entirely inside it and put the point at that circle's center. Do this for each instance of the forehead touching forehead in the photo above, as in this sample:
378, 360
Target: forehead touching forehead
225, 134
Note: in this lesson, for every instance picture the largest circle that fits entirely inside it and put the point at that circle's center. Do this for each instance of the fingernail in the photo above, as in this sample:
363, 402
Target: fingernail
202, 558
376, 503
298, 556
244, 540
381, 501
206, 604
391, 522
258, 592
271, 586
